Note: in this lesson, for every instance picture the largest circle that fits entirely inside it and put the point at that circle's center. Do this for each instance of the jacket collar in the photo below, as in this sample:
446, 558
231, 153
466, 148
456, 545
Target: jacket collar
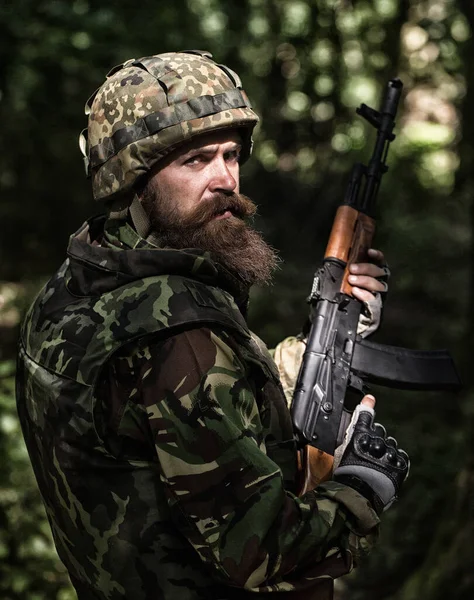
106, 254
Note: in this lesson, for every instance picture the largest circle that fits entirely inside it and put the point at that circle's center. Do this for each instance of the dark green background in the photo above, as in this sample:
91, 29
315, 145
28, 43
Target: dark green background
306, 65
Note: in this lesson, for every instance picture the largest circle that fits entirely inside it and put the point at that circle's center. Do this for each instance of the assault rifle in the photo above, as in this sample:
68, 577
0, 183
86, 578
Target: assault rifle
336, 360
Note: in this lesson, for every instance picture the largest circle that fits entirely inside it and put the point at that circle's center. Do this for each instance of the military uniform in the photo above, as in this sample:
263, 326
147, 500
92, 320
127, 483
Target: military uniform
160, 436
155, 420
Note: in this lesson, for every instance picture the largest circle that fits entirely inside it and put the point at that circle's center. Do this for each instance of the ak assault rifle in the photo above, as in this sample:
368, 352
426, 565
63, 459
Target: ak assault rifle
336, 361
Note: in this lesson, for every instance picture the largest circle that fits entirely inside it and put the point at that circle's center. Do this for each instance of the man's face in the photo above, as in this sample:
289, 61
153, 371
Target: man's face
200, 170
193, 201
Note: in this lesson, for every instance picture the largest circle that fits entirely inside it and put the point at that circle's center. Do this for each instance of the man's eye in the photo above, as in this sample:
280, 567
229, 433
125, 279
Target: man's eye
234, 155
193, 160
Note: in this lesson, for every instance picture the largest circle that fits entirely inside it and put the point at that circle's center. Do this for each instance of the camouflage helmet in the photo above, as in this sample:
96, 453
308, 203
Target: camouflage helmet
149, 106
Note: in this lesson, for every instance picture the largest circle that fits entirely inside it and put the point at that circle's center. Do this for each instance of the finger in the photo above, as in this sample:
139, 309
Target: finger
377, 256
368, 283
368, 400
367, 269
365, 295
363, 415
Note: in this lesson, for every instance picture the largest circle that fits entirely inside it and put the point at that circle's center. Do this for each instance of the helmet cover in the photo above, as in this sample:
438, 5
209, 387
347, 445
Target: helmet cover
148, 107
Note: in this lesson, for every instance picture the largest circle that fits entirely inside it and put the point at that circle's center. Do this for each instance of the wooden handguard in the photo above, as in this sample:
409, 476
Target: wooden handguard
351, 236
314, 467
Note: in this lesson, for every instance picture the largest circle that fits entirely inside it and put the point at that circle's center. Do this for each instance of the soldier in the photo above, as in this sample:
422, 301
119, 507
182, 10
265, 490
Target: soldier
155, 420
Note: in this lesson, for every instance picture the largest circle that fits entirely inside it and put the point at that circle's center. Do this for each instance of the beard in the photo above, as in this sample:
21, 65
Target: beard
230, 241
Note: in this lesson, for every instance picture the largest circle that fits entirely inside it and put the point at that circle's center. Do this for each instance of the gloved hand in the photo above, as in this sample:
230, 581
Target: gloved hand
369, 461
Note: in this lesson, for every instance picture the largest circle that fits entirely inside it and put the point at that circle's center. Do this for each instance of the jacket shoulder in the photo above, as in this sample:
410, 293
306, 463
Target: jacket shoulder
74, 335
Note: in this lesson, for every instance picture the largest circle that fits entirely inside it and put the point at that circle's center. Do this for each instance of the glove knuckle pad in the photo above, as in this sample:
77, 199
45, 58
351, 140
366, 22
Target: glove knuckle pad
392, 442
373, 458
380, 430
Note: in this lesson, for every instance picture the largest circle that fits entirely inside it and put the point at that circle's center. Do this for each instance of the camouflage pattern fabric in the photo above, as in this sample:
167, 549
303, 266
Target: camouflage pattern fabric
288, 356
160, 437
148, 106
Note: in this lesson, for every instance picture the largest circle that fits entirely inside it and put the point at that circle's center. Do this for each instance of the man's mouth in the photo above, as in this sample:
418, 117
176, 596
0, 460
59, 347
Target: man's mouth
225, 214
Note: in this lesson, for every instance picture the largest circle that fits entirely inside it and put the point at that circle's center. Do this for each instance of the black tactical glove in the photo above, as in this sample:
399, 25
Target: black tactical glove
369, 461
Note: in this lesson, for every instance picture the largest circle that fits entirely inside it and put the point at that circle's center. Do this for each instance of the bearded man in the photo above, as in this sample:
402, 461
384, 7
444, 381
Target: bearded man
155, 420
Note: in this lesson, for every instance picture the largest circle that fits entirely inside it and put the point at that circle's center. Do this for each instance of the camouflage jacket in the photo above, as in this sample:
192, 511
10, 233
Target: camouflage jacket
160, 437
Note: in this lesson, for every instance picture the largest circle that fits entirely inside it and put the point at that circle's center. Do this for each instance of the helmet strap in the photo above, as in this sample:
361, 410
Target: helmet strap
140, 219
121, 208
118, 208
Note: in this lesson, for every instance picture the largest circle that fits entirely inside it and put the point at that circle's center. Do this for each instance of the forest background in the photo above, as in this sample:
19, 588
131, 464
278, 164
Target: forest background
306, 65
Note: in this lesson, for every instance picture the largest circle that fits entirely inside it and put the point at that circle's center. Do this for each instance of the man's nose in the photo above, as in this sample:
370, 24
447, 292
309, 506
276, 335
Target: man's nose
223, 178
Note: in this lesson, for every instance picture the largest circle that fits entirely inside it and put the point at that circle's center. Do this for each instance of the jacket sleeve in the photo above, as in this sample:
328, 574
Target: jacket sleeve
226, 495
288, 356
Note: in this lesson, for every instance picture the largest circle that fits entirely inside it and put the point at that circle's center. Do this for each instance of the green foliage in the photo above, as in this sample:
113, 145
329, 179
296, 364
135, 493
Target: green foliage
306, 65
